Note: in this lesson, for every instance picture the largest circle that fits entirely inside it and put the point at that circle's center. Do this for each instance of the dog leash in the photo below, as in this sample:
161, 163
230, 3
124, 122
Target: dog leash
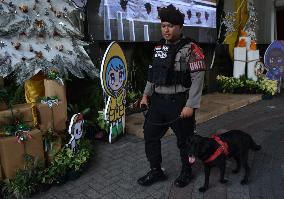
144, 109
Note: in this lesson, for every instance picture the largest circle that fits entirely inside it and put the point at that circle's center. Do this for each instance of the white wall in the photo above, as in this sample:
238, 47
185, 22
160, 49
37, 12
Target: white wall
266, 19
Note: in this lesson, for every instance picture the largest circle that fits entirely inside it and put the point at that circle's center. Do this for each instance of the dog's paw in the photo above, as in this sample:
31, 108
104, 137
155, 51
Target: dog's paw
235, 170
223, 181
202, 189
244, 182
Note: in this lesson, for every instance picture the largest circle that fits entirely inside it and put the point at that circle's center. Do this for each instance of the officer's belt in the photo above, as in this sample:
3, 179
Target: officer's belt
171, 96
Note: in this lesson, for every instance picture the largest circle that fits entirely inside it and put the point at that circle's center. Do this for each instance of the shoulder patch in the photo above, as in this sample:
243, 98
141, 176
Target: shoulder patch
196, 60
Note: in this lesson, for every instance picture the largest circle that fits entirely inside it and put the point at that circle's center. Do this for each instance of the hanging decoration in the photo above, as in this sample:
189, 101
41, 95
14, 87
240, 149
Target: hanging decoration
2, 44
113, 75
24, 8
148, 8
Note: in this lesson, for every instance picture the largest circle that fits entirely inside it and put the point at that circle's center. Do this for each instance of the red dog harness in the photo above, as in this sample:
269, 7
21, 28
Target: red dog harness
223, 148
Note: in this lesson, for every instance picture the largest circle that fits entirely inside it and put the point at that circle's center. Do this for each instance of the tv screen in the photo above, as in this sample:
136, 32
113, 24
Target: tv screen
137, 20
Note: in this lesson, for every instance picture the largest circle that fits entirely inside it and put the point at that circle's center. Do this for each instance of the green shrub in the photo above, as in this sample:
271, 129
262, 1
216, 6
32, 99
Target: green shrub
244, 85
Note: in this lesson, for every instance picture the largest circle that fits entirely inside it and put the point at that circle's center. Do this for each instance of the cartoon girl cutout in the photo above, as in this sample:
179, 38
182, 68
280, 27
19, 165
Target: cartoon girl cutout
115, 80
274, 61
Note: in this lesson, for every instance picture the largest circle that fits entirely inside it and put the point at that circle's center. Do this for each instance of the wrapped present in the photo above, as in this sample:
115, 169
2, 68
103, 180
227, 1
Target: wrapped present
23, 111
53, 88
12, 152
54, 117
252, 57
239, 61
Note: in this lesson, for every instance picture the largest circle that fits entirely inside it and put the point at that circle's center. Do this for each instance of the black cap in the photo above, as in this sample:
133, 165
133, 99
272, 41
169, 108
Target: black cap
171, 14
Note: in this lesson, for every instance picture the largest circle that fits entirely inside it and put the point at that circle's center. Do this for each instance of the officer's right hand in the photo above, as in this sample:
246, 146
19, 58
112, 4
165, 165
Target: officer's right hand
144, 101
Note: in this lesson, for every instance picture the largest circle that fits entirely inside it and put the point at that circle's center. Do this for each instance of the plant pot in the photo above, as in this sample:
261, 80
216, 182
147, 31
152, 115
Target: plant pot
267, 96
73, 175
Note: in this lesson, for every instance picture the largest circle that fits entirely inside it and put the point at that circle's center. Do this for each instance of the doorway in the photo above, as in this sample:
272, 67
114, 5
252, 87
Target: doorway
280, 27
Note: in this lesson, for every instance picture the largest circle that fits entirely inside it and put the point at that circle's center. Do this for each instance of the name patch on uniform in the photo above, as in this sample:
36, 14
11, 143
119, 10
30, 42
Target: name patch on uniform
196, 60
197, 66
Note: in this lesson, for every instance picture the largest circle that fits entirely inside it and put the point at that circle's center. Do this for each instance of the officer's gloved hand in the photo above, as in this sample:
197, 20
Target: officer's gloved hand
143, 107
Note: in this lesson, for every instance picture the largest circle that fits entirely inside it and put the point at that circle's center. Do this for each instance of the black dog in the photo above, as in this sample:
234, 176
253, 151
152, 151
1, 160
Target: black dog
214, 151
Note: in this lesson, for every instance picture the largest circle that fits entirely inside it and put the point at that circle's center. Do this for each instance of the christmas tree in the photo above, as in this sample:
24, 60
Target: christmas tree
39, 35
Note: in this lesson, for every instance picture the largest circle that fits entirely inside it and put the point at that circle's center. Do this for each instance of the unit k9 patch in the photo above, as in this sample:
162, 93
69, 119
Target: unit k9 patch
196, 60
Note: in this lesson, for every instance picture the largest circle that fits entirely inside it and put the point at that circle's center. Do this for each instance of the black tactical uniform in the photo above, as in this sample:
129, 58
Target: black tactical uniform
175, 80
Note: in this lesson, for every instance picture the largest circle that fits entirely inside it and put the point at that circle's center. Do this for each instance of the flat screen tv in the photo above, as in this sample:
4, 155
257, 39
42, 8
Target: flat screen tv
137, 20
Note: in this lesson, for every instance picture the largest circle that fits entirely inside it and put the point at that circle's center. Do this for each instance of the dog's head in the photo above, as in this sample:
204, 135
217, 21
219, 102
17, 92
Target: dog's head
197, 147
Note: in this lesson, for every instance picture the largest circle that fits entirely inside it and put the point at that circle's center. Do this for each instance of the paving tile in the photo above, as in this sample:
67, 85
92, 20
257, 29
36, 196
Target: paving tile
116, 167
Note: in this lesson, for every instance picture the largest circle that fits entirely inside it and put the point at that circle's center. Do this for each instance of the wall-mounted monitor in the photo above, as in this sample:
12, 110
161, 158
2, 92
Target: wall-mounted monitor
137, 20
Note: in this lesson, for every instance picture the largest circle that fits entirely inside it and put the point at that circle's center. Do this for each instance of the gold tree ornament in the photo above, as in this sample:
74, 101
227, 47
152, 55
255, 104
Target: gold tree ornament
39, 24
24, 8
58, 14
39, 54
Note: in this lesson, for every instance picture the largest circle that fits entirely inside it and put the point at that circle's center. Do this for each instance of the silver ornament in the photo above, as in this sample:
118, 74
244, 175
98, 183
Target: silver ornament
2, 44
47, 48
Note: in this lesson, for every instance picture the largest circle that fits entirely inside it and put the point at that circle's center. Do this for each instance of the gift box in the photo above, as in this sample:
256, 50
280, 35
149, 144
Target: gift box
12, 152
54, 117
23, 111
239, 61
53, 88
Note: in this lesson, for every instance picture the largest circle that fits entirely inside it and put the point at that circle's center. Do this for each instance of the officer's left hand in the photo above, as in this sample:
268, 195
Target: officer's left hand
186, 112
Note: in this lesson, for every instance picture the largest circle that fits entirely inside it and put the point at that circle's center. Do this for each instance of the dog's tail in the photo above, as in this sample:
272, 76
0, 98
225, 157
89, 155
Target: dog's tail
254, 146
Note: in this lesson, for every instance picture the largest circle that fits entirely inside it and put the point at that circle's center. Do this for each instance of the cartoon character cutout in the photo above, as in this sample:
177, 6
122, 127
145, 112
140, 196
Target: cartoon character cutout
75, 130
114, 78
274, 61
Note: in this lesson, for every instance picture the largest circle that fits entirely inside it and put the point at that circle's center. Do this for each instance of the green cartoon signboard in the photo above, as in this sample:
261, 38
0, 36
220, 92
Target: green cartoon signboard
113, 80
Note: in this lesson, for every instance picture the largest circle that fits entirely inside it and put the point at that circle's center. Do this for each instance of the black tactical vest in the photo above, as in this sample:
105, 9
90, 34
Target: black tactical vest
162, 70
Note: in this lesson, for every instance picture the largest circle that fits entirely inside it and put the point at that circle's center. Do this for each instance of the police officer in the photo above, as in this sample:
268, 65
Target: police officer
174, 87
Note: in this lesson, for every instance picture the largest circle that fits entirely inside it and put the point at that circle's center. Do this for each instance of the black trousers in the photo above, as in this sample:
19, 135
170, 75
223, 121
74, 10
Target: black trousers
164, 109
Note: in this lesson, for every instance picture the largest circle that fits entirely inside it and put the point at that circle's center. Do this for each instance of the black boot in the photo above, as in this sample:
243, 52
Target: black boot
154, 175
184, 178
